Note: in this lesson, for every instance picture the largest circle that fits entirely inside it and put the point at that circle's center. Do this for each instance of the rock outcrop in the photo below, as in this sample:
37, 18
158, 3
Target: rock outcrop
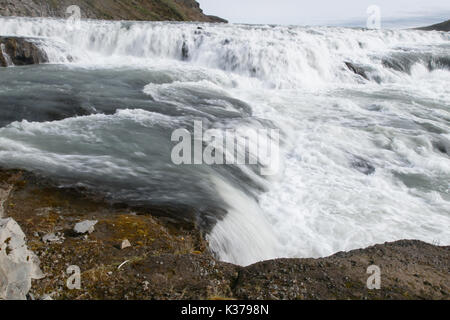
408, 270
150, 10
16, 51
18, 265
444, 26
170, 260
356, 70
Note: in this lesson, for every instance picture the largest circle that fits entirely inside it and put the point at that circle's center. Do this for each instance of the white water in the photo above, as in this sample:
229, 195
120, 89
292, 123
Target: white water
296, 78
7, 58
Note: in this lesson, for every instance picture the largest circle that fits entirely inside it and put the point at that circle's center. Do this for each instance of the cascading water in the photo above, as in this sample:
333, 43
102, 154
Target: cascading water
365, 156
7, 58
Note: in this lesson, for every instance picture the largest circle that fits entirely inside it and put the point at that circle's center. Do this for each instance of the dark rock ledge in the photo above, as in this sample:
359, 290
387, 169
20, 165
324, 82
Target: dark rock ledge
19, 52
356, 69
443, 26
167, 260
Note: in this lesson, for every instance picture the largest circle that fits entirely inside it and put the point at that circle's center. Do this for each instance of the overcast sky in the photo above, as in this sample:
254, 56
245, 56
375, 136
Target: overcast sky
328, 12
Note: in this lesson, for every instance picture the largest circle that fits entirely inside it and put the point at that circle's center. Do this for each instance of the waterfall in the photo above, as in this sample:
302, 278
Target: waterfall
363, 117
8, 60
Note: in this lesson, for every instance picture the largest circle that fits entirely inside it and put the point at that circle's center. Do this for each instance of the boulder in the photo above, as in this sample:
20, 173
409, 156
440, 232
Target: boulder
86, 226
185, 51
125, 244
357, 70
18, 265
363, 166
53, 238
16, 51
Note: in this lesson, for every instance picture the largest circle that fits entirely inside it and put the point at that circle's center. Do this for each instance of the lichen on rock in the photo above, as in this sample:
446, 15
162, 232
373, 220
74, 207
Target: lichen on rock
4, 194
18, 265
170, 260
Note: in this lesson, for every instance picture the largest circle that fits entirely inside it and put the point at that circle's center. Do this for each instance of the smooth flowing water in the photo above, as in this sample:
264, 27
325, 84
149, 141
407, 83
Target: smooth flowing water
366, 158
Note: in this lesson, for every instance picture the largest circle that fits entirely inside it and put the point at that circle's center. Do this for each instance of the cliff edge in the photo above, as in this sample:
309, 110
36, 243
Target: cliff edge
131, 254
141, 10
443, 26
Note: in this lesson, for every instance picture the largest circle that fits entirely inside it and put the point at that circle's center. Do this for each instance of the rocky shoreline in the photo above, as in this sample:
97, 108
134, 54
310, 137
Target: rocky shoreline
134, 254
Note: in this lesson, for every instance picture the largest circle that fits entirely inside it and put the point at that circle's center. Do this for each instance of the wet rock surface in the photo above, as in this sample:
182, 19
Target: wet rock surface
363, 166
16, 51
170, 260
357, 70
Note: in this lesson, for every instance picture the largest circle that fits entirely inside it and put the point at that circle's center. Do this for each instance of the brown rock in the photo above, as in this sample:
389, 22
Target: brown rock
170, 261
20, 51
149, 10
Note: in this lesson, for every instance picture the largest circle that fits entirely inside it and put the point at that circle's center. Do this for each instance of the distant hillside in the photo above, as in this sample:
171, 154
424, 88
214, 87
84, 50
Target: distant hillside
444, 26
151, 10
